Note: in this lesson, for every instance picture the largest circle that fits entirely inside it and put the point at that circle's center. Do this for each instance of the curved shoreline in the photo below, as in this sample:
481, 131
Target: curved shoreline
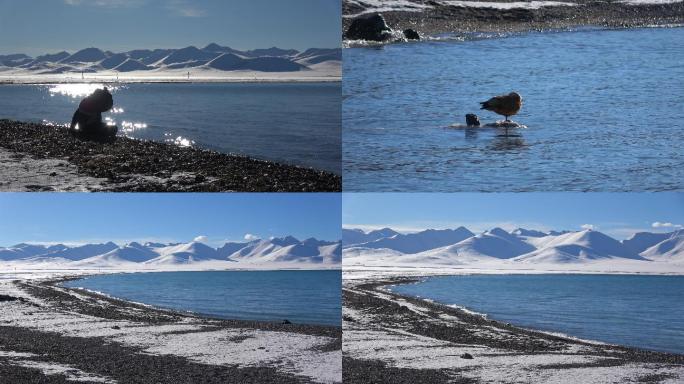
439, 336
50, 334
47, 158
60, 281
442, 19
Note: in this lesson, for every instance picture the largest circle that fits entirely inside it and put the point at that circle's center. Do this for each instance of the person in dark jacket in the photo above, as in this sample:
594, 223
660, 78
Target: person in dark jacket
87, 120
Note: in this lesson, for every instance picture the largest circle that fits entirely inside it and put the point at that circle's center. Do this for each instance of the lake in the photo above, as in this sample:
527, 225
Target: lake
603, 110
294, 123
638, 311
306, 297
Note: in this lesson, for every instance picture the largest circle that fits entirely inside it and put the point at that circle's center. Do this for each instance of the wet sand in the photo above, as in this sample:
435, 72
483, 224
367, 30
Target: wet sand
35, 157
393, 338
441, 18
51, 334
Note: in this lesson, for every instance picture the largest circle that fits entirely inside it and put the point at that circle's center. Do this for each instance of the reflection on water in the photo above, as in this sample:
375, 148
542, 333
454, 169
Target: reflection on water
291, 123
78, 90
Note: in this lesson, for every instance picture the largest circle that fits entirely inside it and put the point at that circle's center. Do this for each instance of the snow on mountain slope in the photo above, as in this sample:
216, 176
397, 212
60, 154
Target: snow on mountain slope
212, 58
88, 55
84, 251
498, 248
495, 243
421, 241
129, 253
641, 241
289, 249
357, 236
670, 249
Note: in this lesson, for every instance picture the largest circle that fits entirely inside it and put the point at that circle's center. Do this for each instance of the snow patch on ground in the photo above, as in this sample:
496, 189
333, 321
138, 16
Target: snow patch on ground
30, 360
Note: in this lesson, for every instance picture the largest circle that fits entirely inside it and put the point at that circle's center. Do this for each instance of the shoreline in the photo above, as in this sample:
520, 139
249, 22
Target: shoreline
14, 81
432, 342
44, 327
439, 18
47, 158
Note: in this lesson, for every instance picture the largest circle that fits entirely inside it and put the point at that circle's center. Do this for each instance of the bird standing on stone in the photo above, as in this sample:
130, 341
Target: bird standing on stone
506, 105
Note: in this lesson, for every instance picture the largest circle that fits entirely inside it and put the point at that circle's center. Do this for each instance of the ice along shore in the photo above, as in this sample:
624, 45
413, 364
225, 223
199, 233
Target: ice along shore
399, 339
37, 157
431, 18
52, 334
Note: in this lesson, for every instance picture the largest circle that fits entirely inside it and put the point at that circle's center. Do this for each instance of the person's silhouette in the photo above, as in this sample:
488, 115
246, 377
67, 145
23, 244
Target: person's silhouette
87, 120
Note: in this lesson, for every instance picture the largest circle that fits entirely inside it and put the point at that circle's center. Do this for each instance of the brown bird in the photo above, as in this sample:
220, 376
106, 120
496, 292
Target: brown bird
506, 105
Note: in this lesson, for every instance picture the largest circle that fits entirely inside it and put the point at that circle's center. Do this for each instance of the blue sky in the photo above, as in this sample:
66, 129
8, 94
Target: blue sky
122, 217
47, 26
618, 215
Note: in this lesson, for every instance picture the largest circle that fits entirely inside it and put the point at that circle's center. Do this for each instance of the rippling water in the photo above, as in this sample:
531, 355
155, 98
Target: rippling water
638, 311
307, 297
291, 123
603, 110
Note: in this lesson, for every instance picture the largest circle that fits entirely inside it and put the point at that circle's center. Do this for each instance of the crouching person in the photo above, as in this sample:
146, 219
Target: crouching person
87, 120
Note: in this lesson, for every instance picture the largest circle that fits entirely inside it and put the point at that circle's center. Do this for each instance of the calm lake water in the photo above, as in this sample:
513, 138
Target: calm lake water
307, 297
291, 123
638, 311
603, 110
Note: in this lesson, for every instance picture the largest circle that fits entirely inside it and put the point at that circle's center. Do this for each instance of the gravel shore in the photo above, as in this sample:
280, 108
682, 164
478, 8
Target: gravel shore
51, 334
394, 339
434, 17
40, 156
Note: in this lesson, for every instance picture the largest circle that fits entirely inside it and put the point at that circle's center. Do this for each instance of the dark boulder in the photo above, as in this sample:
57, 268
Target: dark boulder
472, 120
286, 322
466, 356
369, 27
411, 34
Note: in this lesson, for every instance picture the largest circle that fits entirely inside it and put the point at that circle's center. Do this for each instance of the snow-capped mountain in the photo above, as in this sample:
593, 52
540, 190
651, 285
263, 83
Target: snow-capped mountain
211, 57
421, 241
109, 255
517, 247
357, 236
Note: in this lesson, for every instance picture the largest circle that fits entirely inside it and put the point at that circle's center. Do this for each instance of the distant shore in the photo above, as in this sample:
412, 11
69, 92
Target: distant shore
416, 340
106, 80
448, 19
51, 334
35, 157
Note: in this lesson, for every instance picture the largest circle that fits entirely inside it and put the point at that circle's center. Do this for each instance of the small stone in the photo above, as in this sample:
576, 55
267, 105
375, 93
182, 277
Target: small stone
466, 356
411, 34
472, 120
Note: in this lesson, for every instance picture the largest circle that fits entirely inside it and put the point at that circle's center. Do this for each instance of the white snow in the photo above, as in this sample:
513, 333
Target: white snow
287, 352
499, 251
372, 6
276, 253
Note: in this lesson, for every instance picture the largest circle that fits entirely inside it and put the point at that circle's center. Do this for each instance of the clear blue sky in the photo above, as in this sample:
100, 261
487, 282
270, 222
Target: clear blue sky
123, 217
618, 215
48, 26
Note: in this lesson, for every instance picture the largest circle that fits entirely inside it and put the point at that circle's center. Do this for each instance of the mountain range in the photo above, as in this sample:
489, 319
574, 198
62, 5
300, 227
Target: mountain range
211, 57
276, 250
461, 246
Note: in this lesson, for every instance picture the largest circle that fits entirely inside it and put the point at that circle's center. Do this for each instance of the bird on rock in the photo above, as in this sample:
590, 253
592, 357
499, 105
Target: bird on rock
506, 105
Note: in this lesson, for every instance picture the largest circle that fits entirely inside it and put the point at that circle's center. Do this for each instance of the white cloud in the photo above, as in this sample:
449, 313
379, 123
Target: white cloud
250, 237
659, 224
200, 238
107, 3
185, 9
588, 226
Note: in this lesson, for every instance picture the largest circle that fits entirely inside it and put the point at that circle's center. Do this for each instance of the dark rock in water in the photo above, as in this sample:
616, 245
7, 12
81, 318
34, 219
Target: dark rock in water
116, 327
285, 322
411, 34
8, 298
466, 356
369, 27
472, 120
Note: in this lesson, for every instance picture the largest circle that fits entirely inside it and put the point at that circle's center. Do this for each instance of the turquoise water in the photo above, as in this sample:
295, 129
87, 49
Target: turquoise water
640, 311
306, 297
291, 123
603, 110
